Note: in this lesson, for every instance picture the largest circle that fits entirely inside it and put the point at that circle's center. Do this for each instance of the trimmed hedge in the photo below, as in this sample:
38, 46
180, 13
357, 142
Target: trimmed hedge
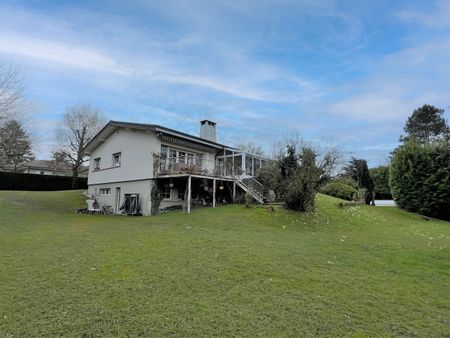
35, 182
340, 190
420, 179
380, 177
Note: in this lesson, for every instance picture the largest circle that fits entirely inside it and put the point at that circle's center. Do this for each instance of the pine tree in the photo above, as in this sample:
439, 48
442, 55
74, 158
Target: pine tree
425, 125
15, 145
359, 171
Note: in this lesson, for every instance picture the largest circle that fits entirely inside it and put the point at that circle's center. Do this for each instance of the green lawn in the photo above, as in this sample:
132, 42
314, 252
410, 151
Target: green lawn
229, 271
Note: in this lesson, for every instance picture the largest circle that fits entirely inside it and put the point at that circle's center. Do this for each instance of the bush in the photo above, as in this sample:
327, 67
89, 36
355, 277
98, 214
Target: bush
420, 179
380, 177
301, 189
248, 200
35, 182
347, 180
340, 190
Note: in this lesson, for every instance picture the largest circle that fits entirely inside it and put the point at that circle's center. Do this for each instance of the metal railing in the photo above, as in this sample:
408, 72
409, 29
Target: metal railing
197, 166
254, 187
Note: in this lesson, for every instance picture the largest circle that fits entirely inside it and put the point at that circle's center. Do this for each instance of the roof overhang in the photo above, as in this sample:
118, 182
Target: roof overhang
113, 126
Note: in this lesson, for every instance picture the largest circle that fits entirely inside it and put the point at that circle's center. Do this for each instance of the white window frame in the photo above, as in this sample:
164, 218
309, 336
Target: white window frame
119, 162
104, 191
97, 163
167, 191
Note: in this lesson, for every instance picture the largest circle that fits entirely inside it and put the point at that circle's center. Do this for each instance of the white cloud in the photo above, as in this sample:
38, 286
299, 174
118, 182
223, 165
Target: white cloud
60, 52
439, 17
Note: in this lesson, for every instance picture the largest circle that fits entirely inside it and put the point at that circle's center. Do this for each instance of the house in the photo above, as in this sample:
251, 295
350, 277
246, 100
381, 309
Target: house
127, 159
43, 167
46, 167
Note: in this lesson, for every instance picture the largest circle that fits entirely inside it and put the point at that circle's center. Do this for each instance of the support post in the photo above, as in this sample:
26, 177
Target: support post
234, 191
214, 192
189, 195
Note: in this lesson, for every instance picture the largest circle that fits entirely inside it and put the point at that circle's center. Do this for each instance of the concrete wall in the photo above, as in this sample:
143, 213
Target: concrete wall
142, 187
136, 148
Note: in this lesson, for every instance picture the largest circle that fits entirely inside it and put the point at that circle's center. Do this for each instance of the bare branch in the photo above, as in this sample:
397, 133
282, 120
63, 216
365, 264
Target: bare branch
79, 125
12, 92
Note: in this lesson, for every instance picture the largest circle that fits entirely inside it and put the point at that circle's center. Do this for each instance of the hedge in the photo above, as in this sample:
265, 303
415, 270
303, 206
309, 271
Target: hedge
36, 182
340, 190
420, 179
380, 177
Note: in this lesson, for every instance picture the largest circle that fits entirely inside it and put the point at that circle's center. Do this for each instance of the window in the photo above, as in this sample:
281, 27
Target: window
42, 173
199, 160
105, 191
97, 163
166, 193
172, 156
116, 159
181, 157
180, 194
190, 159
164, 150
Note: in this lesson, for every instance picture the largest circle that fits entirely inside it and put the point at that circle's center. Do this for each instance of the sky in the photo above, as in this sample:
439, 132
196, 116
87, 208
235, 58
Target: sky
346, 73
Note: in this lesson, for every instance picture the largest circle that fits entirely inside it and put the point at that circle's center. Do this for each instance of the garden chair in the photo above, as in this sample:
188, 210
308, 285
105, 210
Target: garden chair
92, 209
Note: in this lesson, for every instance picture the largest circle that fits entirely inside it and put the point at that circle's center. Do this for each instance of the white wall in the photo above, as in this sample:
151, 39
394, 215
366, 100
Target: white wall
38, 171
137, 187
136, 148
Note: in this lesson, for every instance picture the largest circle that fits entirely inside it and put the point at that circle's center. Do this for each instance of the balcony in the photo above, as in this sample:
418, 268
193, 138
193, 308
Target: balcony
188, 165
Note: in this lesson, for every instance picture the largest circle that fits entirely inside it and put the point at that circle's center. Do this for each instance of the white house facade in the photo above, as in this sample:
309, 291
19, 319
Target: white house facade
126, 159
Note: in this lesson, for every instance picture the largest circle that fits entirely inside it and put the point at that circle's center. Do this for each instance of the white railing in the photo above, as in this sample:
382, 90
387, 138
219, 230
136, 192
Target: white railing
197, 166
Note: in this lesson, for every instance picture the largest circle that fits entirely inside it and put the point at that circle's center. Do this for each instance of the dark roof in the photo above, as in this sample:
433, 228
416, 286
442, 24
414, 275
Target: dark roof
111, 126
210, 122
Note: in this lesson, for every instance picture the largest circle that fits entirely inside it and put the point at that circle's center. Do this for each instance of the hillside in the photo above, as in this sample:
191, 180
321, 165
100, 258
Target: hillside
230, 271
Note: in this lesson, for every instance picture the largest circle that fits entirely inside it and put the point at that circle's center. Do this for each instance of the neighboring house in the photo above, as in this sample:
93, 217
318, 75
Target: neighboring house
126, 158
43, 167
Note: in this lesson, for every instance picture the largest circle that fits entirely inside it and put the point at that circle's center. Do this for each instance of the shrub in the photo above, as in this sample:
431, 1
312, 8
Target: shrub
347, 180
20, 181
248, 200
358, 170
420, 178
380, 177
301, 190
340, 190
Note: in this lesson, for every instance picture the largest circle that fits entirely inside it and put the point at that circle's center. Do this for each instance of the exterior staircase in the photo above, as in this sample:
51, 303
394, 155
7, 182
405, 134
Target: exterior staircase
252, 186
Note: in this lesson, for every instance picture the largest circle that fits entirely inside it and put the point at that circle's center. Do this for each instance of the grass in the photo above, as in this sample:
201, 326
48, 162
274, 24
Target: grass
359, 271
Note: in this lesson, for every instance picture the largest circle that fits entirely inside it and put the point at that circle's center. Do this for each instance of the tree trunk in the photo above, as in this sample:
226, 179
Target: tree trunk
74, 177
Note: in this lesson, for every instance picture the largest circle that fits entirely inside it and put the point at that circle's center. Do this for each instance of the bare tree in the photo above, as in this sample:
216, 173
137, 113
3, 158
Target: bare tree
12, 93
78, 126
15, 145
328, 156
251, 148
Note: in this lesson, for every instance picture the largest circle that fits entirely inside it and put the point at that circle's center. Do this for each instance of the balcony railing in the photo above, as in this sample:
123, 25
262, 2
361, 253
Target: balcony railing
196, 166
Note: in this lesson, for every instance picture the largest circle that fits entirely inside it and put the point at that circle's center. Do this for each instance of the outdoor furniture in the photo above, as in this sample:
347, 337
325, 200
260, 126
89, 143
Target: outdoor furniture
107, 210
81, 210
92, 208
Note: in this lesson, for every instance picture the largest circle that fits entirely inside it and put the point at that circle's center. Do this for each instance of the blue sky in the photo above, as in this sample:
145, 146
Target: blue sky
342, 72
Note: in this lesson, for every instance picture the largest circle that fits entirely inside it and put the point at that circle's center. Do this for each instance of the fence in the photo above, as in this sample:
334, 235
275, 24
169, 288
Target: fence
35, 182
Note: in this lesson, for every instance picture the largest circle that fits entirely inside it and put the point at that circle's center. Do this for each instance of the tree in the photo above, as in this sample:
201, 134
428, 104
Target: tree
380, 177
302, 187
12, 95
15, 145
420, 178
425, 125
359, 171
250, 148
79, 125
